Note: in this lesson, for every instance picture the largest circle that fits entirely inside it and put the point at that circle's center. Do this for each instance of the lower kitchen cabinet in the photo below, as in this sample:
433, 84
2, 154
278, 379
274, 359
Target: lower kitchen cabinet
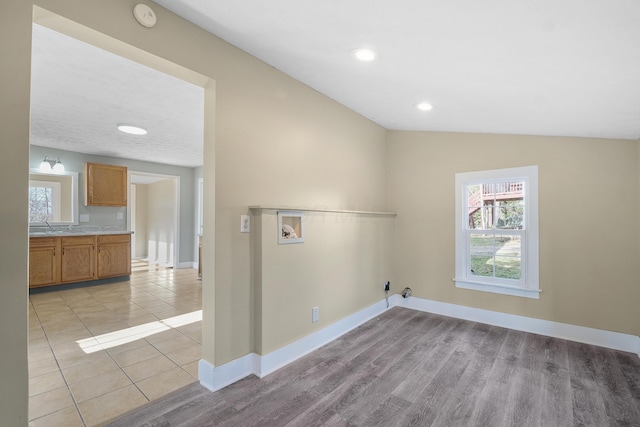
69, 259
114, 255
44, 261
78, 258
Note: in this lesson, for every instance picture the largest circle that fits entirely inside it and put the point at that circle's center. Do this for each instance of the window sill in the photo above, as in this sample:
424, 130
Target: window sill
497, 288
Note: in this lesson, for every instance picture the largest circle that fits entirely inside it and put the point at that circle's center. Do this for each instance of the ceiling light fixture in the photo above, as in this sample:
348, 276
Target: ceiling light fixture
133, 130
49, 165
424, 106
365, 55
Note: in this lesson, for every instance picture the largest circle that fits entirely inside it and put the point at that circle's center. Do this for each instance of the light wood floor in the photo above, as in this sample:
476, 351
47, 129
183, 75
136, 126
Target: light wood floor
408, 368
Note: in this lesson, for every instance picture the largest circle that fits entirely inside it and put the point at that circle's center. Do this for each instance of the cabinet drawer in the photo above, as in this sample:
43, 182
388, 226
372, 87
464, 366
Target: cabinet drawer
42, 242
78, 240
114, 238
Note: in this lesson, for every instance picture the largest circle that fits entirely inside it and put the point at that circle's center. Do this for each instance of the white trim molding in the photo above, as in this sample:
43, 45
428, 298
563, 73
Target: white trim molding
527, 285
283, 356
185, 264
583, 334
215, 378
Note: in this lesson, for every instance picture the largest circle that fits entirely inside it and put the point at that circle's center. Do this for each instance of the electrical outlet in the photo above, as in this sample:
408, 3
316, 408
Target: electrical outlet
245, 223
387, 286
315, 314
120, 215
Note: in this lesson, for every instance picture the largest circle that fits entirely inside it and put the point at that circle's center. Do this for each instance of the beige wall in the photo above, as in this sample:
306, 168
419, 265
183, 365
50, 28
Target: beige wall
340, 268
279, 142
15, 47
588, 209
289, 147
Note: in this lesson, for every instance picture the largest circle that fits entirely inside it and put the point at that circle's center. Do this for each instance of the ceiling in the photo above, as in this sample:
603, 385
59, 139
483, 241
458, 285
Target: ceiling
569, 68
80, 93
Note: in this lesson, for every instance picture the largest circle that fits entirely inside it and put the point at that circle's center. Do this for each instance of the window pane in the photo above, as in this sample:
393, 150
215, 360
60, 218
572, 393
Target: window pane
508, 257
482, 253
40, 204
510, 214
482, 218
474, 196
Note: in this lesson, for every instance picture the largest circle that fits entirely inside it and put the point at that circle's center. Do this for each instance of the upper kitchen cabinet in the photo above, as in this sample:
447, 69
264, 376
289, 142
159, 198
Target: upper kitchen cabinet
105, 185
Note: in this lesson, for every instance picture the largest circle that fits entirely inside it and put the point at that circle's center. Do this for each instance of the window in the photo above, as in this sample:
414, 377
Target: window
497, 231
44, 201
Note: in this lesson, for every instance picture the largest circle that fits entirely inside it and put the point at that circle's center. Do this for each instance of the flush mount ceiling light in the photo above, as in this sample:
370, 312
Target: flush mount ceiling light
133, 130
424, 106
365, 55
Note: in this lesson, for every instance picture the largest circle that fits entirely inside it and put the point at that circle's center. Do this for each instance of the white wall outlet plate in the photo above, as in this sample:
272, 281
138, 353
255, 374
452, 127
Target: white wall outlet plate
315, 314
245, 223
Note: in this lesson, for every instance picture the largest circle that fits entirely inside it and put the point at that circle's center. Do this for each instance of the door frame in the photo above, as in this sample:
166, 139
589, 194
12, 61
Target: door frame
154, 177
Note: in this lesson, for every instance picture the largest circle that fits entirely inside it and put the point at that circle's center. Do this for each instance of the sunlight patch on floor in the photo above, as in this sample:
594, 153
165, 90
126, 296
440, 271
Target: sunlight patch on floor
124, 336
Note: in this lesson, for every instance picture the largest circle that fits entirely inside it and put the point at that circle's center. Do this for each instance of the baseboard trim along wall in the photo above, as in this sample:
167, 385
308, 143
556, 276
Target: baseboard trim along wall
186, 264
599, 337
215, 378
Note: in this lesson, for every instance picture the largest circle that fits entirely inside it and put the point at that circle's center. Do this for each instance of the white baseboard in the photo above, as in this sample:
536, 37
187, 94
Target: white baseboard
215, 378
599, 337
283, 356
184, 264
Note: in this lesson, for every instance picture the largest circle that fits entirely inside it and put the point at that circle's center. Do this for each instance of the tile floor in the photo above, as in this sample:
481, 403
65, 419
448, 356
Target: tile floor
97, 352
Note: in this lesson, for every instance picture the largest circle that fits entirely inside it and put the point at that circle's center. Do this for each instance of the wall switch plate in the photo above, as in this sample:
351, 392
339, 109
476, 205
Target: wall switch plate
245, 223
315, 314
84, 217
120, 215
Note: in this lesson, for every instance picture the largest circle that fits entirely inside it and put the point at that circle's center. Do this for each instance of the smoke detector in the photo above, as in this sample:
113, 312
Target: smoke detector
144, 15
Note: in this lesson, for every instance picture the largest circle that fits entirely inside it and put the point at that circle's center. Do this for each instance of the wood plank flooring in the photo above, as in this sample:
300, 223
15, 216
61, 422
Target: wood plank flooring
409, 368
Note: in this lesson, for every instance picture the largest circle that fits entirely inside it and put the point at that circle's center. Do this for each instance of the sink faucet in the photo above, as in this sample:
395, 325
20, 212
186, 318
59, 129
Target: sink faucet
49, 225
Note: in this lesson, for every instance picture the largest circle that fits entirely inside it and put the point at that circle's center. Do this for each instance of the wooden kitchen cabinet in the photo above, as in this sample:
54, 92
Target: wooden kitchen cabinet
44, 261
78, 258
114, 255
105, 185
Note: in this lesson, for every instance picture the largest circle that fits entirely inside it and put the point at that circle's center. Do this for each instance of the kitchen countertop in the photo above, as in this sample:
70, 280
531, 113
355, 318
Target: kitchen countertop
64, 233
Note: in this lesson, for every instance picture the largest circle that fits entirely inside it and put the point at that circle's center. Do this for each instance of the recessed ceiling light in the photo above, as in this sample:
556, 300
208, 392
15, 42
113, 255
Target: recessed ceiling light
424, 106
134, 130
364, 54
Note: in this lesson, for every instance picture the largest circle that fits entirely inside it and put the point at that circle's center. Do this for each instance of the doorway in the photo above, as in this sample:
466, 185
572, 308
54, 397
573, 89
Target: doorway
169, 301
154, 217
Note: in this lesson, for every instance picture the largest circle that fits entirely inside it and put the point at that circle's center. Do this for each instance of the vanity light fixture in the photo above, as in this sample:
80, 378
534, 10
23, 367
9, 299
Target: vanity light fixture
49, 165
364, 54
424, 106
133, 130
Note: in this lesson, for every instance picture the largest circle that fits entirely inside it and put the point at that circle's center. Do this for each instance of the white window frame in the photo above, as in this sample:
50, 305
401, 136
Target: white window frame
528, 286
